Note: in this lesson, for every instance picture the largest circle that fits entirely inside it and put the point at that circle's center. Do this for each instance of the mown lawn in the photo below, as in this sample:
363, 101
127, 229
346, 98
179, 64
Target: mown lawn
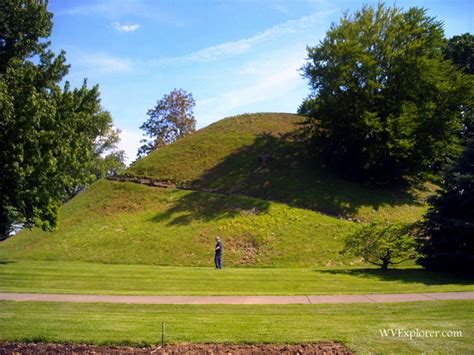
356, 325
89, 278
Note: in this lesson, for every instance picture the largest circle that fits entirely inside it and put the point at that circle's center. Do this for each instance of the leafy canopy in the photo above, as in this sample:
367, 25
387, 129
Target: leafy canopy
382, 245
172, 118
460, 49
385, 104
448, 228
50, 135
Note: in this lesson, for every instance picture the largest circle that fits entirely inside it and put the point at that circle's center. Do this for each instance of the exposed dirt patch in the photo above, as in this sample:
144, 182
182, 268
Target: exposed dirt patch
246, 246
328, 348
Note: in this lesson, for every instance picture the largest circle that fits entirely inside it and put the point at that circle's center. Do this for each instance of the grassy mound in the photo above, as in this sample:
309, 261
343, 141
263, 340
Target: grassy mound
261, 155
126, 223
259, 160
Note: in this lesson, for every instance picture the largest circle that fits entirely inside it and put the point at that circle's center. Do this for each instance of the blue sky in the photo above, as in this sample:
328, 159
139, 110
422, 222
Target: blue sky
234, 56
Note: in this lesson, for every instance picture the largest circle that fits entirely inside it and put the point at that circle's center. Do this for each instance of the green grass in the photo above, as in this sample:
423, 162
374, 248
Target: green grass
358, 325
86, 278
225, 156
126, 223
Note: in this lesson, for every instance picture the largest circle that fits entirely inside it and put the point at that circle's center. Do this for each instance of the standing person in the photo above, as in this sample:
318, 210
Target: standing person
218, 255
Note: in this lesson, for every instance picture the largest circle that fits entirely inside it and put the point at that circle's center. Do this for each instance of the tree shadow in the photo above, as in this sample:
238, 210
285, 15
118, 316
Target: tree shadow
415, 275
280, 168
206, 206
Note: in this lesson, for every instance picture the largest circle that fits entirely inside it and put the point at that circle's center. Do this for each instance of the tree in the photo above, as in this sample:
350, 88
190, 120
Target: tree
382, 245
172, 118
109, 159
385, 105
22, 24
447, 233
106, 159
48, 133
460, 50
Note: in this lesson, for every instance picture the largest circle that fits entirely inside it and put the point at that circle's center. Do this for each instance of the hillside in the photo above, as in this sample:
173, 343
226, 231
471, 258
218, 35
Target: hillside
260, 155
126, 223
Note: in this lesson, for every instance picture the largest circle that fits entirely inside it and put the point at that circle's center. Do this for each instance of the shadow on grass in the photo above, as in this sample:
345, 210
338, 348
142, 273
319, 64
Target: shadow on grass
5, 262
280, 168
208, 207
429, 278
276, 168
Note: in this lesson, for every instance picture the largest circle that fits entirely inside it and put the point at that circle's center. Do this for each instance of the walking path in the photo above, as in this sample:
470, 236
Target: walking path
375, 298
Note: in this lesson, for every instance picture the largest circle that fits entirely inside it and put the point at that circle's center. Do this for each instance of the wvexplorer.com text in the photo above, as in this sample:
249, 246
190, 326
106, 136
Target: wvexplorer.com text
419, 333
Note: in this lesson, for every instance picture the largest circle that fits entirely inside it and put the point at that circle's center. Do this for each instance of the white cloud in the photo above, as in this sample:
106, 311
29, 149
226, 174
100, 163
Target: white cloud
125, 28
279, 7
130, 142
115, 10
106, 8
262, 80
232, 48
101, 63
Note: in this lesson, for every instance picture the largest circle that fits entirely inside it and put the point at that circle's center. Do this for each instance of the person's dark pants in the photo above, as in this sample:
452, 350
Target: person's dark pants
217, 261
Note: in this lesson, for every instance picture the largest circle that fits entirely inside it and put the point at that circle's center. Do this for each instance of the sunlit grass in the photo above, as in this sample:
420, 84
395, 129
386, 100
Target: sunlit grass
227, 156
356, 325
86, 278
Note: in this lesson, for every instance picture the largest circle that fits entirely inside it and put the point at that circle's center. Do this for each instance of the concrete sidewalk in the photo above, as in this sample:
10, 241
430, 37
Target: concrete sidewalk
370, 298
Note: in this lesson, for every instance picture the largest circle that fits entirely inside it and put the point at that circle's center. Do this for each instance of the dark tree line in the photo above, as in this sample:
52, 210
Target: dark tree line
448, 229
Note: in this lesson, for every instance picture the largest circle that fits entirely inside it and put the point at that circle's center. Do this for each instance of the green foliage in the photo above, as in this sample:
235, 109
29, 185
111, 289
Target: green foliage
448, 228
228, 156
22, 24
171, 119
385, 105
48, 134
460, 49
382, 245
109, 160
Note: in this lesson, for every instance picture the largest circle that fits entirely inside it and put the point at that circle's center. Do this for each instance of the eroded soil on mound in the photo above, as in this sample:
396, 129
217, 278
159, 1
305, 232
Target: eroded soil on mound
329, 348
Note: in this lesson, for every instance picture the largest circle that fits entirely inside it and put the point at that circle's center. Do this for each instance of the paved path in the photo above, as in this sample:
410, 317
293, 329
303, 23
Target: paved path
375, 298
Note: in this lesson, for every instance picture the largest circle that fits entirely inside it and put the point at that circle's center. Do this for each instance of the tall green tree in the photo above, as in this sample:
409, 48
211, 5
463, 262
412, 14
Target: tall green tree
385, 104
48, 134
172, 118
447, 233
460, 50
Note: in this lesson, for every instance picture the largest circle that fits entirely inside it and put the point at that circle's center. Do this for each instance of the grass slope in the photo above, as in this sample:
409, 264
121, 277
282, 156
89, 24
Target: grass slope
225, 157
91, 278
357, 326
126, 223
